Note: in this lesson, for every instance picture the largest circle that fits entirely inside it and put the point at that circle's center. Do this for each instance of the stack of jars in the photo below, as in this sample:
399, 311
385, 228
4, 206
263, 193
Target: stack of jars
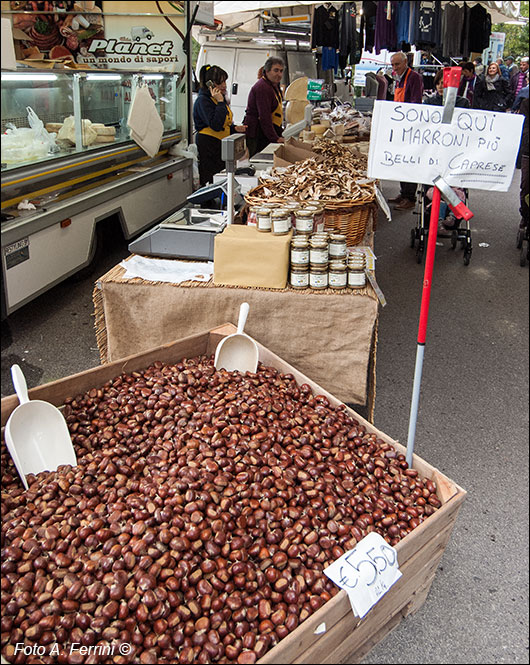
318, 261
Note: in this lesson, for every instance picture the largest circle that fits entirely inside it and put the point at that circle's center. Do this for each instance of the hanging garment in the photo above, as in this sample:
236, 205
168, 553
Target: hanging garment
350, 47
479, 29
385, 27
402, 24
428, 26
325, 29
368, 21
330, 59
452, 25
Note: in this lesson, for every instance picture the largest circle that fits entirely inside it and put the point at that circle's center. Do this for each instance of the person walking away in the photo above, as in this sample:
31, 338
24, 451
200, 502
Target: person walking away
212, 118
504, 70
523, 209
264, 113
467, 82
447, 220
519, 80
492, 91
522, 94
409, 89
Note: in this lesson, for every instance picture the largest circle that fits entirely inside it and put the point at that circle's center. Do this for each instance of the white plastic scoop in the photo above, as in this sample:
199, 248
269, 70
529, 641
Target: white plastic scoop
238, 351
36, 433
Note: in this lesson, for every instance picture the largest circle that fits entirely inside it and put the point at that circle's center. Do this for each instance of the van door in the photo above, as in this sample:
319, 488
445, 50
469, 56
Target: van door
247, 64
222, 57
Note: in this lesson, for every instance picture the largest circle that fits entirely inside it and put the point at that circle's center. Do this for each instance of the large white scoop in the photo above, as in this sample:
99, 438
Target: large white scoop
238, 351
36, 433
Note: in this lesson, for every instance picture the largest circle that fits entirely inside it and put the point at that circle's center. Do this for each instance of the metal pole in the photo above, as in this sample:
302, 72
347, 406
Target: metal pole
230, 193
424, 316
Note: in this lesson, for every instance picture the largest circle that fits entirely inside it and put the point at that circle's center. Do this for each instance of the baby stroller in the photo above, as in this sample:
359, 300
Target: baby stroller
522, 238
456, 229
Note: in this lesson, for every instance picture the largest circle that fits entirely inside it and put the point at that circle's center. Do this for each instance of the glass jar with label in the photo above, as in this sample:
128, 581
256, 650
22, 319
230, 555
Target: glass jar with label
318, 251
299, 278
356, 274
337, 246
318, 215
281, 222
318, 276
292, 207
304, 221
263, 216
338, 275
299, 251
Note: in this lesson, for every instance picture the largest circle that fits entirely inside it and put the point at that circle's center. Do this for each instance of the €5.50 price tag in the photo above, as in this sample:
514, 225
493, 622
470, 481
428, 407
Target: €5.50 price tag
366, 573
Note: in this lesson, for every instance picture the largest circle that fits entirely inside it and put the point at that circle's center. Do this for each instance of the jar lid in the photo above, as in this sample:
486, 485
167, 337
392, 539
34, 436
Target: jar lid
300, 241
277, 214
318, 242
292, 205
304, 212
337, 265
337, 237
263, 211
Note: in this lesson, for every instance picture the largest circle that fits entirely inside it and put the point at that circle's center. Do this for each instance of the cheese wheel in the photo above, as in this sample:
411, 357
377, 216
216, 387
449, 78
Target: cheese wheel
53, 126
318, 130
105, 131
104, 139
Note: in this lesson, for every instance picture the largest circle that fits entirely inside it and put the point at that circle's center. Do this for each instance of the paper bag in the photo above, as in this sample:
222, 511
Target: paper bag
245, 257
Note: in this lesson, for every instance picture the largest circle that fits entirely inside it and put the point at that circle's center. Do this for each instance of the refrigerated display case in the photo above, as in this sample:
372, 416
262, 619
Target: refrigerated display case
90, 173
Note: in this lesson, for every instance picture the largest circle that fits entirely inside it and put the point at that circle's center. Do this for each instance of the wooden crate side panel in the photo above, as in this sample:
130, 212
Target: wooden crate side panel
57, 391
348, 636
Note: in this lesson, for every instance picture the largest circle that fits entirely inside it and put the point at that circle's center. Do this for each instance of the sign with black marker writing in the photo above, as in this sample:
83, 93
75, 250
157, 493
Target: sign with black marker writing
409, 143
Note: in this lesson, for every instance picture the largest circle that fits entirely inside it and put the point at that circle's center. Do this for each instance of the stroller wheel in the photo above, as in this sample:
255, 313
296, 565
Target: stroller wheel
454, 239
467, 257
412, 238
520, 238
419, 254
523, 257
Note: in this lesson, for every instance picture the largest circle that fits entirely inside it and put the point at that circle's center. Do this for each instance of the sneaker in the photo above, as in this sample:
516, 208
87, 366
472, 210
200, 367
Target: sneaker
451, 222
405, 204
443, 232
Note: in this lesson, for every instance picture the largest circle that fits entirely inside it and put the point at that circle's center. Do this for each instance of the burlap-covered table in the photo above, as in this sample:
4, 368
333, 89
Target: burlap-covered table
330, 336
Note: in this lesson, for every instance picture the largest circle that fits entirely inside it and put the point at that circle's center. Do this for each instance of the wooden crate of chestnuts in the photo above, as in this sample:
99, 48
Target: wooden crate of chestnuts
201, 514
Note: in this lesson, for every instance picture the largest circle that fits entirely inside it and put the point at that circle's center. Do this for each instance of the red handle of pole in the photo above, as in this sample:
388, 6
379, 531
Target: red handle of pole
429, 266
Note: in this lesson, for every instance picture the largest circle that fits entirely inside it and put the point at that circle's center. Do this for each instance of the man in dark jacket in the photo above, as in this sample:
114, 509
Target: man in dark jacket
264, 114
408, 88
524, 167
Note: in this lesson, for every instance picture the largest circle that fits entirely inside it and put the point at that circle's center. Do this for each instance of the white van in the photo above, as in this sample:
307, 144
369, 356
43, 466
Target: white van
242, 61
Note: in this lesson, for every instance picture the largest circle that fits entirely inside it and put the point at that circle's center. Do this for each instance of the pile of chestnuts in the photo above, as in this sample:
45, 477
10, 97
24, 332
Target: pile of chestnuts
196, 526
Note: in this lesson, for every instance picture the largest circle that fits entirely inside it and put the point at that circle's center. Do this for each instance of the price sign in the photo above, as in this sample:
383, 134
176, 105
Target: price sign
366, 572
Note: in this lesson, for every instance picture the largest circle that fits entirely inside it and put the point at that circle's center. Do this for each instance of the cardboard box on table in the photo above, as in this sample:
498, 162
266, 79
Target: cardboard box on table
346, 637
245, 257
288, 154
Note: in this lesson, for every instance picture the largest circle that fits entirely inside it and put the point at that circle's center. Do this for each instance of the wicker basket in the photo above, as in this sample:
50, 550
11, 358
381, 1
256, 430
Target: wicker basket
347, 216
350, 220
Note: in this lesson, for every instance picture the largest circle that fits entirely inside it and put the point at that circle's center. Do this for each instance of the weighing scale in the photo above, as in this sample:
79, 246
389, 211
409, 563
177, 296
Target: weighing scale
190, 232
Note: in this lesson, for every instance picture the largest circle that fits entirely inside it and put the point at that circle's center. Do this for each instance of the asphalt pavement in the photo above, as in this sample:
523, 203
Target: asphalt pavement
472, 422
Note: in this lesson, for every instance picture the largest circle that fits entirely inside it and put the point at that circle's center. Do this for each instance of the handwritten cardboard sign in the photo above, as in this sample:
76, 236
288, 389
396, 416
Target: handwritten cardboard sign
409, 143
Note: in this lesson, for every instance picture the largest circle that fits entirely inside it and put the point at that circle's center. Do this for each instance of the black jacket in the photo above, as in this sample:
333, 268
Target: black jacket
499, 99
438, 100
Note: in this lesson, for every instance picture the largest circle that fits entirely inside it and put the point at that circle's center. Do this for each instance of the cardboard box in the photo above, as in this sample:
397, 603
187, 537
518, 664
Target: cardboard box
419, 553
288, 154
245, 257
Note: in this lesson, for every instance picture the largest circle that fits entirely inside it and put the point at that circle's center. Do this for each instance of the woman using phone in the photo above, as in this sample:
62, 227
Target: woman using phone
212, 118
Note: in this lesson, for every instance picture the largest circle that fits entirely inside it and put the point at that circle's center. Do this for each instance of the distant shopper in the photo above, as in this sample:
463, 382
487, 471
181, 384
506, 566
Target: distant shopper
492, 91
519, 80
212, 118
524, 167
523, 94
467, 82
264, 113
512, 67
479, 67
408, 88
504, 70
437, 99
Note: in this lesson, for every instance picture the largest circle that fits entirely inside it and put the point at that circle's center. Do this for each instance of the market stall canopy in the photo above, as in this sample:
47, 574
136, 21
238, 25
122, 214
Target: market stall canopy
500, 11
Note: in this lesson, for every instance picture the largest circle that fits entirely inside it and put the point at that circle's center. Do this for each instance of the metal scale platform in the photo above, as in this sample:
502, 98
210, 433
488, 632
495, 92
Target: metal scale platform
190, 232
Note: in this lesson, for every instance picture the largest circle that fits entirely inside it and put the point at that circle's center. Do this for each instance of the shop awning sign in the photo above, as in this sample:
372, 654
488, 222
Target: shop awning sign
409, 143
